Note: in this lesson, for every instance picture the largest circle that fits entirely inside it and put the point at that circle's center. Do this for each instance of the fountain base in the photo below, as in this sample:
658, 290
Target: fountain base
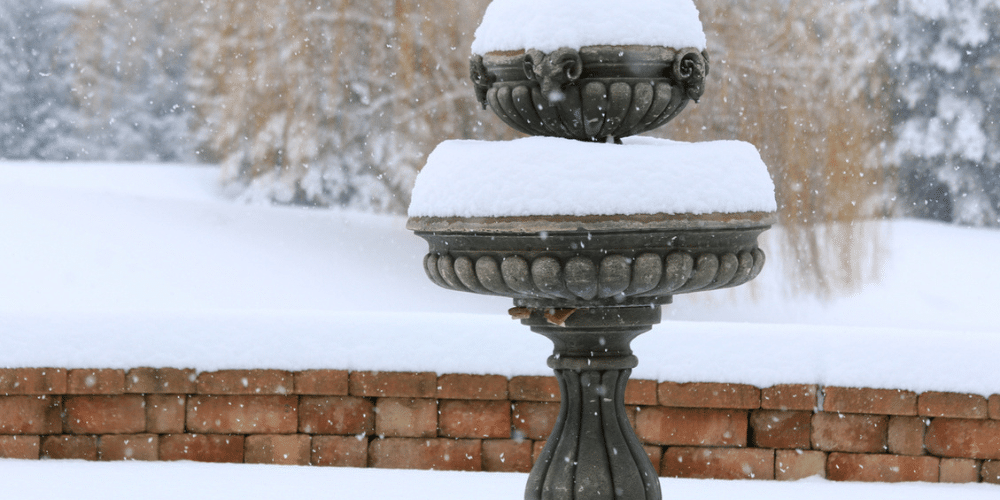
593, 452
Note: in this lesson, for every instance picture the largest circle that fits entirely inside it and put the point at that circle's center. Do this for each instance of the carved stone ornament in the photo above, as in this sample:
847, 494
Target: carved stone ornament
590, 267
596, 93
612, 280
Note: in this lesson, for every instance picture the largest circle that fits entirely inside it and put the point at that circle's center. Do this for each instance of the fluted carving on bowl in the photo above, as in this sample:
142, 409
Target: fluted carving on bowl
611, 279
591, 94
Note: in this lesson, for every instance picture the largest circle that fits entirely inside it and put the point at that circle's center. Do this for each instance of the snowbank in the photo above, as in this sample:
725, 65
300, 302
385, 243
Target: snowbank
106, 237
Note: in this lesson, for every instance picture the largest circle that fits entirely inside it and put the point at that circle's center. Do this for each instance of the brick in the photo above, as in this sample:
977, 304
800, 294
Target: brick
507, 455
780, 429
790, 397
459, 386
872, 401
534, 389
160, 381
30, 415
336, 415
708, 395
165, 413
632, 414
641, 392
850, 433
393, 384
792, 465
692, 427
218, 448
990, 471
281, 449
129, 447
474, 419
400, 417
321, 382
69, 447
655, 454
536, 450
22, 447
242, 414
103, 382
952, 405
961, 438
881, 468
717, 463
959, 470
906, 435
534, 420
257, 382
435, 454
993, 405
32, 381
340, 451
125, 414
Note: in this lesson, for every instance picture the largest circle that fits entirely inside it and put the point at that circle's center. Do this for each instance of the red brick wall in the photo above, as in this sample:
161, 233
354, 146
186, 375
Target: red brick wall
488, 422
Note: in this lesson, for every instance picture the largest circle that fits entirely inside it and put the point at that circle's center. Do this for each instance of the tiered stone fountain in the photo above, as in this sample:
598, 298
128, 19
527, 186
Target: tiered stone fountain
589, 234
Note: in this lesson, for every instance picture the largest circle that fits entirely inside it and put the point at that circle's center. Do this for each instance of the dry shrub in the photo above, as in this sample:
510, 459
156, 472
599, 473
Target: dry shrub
301, 98
801, 80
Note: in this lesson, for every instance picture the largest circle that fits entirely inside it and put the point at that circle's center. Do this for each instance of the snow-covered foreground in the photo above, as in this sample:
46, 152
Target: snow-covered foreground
171, 480
146, 265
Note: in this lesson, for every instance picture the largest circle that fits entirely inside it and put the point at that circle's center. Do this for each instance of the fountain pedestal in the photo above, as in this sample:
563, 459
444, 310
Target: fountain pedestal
591, 231
592, 285
593, 453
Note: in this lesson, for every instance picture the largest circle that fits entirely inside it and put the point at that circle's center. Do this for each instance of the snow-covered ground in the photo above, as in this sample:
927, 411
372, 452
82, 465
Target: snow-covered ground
148, 265
173, 480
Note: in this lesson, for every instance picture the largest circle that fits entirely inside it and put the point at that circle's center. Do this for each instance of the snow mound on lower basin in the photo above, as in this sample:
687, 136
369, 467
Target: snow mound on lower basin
553, 176
547, 25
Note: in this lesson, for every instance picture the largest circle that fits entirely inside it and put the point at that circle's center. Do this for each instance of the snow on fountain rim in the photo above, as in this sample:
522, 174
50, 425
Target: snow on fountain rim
547, 25
555, 176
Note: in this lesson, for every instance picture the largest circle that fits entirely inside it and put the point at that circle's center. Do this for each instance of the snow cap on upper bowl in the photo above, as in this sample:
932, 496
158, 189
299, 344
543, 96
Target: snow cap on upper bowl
547, 25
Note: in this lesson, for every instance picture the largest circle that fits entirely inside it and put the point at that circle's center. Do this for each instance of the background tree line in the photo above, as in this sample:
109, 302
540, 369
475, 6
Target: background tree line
861, 108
